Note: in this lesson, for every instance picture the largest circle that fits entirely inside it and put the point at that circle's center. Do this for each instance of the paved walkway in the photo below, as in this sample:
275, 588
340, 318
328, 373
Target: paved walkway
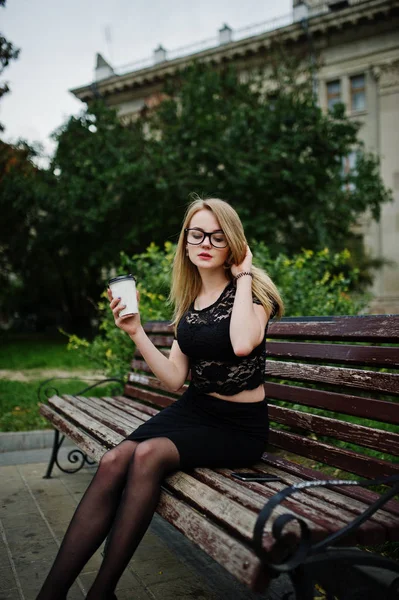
34, 515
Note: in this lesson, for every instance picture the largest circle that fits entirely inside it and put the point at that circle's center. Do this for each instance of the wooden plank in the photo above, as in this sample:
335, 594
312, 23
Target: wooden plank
347, 460
140, 365
86, 443
372, 356
158, 327
221, 509
370, 437
153, 382
311, 474
130, 402
152, 397
362, 328
254, 495
359, 406
105, 414
345, 505
235, 557
387, 383
161, 341
89, 424
365, 328
127, 406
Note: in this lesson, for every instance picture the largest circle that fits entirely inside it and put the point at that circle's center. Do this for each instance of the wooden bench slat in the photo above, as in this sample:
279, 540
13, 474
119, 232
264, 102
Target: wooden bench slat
97, 414
342, 458
234, 556
153, 382
362, 328
87, 444
359, 406
78, 417
335, 353
229, 513
311, 474
377, 439
337, 499
387, 383
104, 413
131, 403
154, 398
318, 510
368, 328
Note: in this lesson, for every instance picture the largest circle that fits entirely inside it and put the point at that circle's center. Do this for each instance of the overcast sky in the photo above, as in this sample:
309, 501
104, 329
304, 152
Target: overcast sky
59, 41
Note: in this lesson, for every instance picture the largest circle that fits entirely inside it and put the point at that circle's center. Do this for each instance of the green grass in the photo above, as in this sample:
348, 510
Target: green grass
19, 410
19, 404
33, 351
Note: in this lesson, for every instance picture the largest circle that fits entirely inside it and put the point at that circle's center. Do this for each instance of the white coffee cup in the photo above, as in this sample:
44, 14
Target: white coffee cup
124, 287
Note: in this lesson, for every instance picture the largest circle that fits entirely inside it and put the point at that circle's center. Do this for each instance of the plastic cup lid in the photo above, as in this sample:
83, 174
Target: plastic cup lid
121, 278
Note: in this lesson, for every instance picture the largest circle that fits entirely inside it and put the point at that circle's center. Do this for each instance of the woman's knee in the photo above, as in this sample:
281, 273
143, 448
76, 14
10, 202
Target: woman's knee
115, 462
155, 455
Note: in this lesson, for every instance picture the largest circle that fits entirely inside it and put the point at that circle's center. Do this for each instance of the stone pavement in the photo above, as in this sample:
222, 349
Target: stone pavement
34, 515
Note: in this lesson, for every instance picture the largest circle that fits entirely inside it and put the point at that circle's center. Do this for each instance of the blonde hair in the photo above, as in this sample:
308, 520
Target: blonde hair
186, 280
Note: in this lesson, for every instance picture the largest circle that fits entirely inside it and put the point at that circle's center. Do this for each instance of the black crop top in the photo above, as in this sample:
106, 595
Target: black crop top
204, 336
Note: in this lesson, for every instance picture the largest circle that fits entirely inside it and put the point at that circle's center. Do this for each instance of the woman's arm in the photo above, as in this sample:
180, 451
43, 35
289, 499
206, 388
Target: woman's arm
171, 371
248, 320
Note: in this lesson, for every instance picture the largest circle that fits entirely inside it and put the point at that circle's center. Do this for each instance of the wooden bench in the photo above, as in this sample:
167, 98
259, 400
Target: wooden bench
321, 372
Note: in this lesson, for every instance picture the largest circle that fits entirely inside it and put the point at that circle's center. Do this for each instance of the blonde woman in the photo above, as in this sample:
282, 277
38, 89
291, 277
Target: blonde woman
222, 307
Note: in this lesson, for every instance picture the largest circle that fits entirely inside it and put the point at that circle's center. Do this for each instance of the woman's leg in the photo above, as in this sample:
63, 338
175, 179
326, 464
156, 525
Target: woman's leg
152, 460
91, 521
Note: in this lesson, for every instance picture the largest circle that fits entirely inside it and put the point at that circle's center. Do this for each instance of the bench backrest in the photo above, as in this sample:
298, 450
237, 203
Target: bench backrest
333, 387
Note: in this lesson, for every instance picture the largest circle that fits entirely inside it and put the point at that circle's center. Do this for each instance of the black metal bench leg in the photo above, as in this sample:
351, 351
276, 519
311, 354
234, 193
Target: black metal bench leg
57, 443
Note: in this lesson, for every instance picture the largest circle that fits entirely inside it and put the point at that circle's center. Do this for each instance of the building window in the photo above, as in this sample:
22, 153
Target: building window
333, 93
349, 169
358, 93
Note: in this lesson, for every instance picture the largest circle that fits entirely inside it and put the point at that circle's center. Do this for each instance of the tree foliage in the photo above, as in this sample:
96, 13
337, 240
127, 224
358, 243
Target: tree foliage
278, 158
110, 189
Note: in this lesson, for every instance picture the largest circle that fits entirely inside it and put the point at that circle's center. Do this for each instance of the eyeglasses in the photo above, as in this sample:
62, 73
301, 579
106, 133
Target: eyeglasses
197, 236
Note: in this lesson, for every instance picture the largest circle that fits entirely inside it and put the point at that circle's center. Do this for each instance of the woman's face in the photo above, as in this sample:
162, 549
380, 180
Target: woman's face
205, 221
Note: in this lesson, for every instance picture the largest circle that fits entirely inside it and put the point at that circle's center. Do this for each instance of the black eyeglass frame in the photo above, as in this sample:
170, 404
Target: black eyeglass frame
204, 235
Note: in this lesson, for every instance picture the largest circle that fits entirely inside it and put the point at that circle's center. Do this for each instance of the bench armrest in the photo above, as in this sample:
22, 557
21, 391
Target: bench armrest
305, 548
51, 390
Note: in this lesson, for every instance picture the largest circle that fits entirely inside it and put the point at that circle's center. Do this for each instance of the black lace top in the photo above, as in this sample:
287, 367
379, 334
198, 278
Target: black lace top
203, 335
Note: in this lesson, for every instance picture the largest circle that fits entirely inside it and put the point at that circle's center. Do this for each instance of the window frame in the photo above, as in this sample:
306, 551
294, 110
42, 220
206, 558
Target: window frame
332, 96
353, 92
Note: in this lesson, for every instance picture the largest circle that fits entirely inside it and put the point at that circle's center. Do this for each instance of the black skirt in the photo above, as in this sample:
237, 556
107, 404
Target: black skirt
209, 432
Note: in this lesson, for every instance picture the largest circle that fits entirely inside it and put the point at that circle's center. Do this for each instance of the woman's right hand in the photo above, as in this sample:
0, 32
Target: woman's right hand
130, 323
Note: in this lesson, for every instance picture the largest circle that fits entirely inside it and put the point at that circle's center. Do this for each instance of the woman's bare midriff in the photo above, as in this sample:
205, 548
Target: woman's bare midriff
256, 395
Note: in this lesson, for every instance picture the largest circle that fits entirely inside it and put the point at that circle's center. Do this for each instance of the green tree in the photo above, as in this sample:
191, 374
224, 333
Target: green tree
111, 188
278, 158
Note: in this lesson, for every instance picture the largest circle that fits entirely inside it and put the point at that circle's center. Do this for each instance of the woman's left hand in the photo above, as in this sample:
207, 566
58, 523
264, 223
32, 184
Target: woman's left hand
246, 264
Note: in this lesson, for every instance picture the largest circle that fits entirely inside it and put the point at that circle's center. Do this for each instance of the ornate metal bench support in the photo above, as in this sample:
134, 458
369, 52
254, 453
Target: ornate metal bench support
75, 455
321, 563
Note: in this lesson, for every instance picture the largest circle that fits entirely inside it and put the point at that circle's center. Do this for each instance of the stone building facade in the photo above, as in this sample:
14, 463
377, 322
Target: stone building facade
357, 43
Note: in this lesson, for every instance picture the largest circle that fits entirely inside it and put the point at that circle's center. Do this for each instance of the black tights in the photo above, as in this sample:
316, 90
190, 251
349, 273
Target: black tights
123, 494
